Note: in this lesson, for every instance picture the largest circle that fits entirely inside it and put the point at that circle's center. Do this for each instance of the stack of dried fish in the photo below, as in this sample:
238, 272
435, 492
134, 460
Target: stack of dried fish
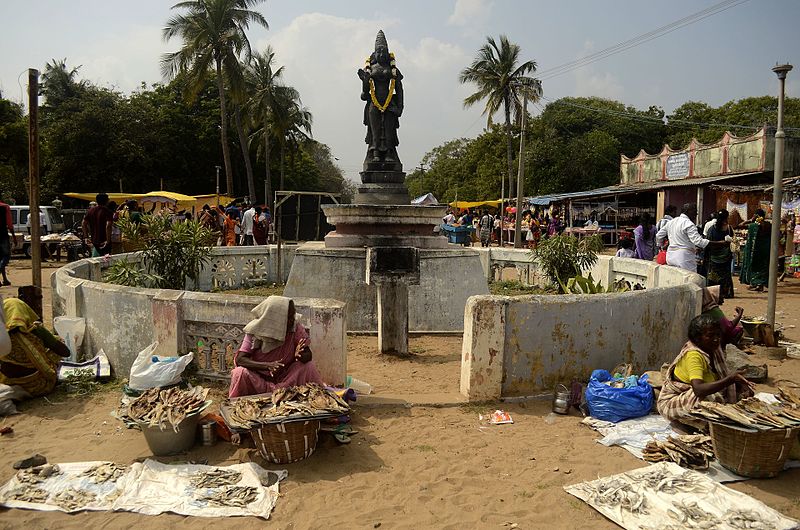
35, 475
790, 398
686, 450
661, 480
295, 402
156, 407
105, 472
235, 497
751, 413
216, 478
71, 499
690, 515
617, 493
27, 494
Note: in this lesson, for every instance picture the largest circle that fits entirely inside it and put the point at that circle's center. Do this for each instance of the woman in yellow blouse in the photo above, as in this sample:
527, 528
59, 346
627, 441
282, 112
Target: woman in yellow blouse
699, 373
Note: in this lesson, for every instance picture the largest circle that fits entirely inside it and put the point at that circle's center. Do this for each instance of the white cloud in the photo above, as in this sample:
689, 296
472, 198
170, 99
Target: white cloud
589, 82
468, 12
322, 53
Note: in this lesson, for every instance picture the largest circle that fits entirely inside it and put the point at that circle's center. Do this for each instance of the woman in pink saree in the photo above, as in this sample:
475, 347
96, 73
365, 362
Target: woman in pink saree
275, 352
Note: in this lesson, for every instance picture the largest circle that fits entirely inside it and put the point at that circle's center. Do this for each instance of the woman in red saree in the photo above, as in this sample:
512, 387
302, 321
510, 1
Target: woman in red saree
275, 352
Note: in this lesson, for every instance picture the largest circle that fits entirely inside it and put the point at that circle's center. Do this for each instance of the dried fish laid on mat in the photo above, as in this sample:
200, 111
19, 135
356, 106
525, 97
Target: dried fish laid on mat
660, 480
71, 499
35, 475
789, 396
216, 478
304, 400
750, 413
690, 515
687, 450
157, 408
617, 493
746, 520
234, 497
27, 494
105, 472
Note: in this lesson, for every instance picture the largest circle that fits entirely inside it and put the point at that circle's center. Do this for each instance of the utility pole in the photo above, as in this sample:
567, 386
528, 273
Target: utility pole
777, 198
520, 174
218, 168
421, 168
33, 178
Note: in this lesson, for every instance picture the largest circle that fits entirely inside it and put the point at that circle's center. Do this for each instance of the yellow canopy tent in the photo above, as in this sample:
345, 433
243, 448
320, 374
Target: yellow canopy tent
463, 205
119, 198
211, 200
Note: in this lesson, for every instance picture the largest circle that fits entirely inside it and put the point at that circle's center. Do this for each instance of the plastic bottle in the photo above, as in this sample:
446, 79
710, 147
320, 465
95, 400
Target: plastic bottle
359, 386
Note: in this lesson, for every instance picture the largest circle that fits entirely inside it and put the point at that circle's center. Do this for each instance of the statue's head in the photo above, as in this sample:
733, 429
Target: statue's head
381, 54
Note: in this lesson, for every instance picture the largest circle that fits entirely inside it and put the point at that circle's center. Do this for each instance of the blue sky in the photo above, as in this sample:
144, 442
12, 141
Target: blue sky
322, 43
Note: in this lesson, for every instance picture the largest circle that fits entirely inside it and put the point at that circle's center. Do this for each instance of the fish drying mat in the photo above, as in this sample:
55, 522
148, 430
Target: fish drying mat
149, 488
666, 496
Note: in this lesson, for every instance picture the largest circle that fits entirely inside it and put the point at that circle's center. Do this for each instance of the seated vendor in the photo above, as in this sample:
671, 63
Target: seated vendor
35, 352
731, 330
699, 373
275, 352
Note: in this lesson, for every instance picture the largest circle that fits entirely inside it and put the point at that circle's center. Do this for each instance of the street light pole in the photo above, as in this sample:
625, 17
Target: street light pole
218, 168
777, 198
520, 174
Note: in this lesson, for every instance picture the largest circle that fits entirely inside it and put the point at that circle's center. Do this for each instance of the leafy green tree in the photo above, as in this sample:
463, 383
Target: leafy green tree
13, 151
501, 81
292, 122
213, 35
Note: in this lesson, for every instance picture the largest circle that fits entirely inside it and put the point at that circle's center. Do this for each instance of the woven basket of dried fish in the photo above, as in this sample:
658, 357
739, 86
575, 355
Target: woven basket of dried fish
288, 442
759, 454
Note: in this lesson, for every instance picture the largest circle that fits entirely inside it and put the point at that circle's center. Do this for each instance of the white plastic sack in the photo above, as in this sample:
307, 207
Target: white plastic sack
71, 329
163, 371
7, 394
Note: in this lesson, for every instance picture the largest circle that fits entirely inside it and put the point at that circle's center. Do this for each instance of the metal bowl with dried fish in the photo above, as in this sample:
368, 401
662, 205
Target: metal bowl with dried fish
161, 407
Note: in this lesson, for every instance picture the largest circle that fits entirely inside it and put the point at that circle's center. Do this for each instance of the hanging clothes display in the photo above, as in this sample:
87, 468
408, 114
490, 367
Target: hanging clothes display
740, 208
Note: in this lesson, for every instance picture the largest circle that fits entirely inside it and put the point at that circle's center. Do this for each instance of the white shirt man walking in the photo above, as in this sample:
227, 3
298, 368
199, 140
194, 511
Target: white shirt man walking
247, 226
684, 239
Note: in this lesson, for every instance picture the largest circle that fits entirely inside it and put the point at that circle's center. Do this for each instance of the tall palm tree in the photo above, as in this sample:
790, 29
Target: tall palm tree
263, 80
60, 83
213, 34
292, 121
501, 81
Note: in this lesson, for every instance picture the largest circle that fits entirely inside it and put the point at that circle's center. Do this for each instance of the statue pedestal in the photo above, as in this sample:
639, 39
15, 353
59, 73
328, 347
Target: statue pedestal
382, 187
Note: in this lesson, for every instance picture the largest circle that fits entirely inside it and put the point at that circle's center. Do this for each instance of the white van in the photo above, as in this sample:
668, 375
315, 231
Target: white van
49, 218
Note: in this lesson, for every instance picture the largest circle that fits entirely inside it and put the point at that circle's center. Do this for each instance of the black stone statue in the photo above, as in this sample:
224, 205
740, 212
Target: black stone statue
382, 90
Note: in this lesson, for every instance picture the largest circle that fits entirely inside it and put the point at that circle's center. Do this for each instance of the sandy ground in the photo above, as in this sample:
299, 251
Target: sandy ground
415, 467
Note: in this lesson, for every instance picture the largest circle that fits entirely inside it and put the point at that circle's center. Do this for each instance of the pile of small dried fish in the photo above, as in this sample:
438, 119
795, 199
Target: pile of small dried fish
234, 497
71, 499
216, 478
746, 520
751, 413
104, 472
690, 515
619, 494
688, 450
35, 475
789, 397
27, 494
157, 407
299, 401
662, 481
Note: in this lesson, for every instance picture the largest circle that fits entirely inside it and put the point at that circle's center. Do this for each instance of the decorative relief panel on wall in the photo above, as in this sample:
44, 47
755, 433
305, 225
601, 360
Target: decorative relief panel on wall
214, 345
233, 272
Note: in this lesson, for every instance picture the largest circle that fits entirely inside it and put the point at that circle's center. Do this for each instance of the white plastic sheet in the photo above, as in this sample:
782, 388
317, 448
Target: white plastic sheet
152, 488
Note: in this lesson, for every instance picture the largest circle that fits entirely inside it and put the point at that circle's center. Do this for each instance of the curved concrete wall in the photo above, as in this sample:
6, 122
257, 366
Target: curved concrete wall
516, 346
124, 320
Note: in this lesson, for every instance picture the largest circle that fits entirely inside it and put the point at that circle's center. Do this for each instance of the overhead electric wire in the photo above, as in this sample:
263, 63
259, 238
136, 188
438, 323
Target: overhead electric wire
564, 68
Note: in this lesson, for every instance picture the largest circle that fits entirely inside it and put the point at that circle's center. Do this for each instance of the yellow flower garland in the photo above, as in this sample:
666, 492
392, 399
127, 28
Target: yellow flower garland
367, 67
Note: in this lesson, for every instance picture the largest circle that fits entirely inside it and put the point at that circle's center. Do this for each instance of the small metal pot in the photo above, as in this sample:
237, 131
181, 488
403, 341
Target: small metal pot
561, 399
208, 433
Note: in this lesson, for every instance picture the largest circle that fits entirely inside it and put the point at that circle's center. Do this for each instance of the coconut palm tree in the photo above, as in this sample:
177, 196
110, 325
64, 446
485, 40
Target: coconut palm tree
292, 121
213, 34
501, 81
263, 80
60, 83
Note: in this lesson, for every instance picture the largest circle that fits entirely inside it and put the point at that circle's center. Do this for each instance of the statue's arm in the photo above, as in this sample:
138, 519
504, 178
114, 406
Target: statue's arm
364, 76
398, 94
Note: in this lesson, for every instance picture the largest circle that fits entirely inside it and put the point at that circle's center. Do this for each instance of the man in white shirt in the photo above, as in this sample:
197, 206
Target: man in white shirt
712, 220
671, 212
247, 226
684, 239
